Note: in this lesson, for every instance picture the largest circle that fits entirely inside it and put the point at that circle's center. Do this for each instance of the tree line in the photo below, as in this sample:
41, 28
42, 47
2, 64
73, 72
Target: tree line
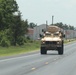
64, 26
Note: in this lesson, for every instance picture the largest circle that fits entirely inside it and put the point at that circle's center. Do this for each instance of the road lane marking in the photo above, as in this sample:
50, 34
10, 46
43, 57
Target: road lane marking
55, 59
46, 63
33, 68
16, 58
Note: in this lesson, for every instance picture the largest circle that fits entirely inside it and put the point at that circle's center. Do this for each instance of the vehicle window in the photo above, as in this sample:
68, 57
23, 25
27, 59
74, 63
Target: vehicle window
56, 34
48, 34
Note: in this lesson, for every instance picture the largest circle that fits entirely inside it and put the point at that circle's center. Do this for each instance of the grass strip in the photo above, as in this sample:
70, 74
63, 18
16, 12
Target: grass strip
28, 47
14, 50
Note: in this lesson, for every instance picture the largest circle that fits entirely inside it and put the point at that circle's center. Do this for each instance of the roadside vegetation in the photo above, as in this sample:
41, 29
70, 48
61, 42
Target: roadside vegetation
30, 46
27, 47
69, 40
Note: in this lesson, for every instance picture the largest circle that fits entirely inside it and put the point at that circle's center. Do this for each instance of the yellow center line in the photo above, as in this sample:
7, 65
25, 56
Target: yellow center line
47, 63
33, 68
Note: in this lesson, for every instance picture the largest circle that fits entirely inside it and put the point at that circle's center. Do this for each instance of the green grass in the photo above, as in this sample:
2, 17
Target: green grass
69, 40
28, 47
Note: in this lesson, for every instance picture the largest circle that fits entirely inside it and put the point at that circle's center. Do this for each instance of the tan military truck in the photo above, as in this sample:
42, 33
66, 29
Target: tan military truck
52, 40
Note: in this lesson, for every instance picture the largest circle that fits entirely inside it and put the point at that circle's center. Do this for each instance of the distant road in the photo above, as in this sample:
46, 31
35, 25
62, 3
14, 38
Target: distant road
37, 64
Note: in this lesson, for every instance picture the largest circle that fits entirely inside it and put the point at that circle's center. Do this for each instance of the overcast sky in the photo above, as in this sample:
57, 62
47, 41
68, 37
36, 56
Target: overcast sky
38, 11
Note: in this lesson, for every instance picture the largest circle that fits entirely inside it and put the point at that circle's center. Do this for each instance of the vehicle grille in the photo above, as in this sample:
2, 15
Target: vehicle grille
53, 42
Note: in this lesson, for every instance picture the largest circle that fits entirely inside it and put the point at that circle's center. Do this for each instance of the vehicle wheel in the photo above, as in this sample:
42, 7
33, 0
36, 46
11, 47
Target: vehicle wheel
60, 50
43, 50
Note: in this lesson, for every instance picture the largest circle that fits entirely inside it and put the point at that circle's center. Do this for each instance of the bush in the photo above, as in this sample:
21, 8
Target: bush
4, 43
20, 41
28, 37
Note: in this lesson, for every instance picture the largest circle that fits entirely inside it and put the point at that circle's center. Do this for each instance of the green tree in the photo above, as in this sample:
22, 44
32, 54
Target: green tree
59, 24
32, 25
12, 28
71, 27
18, 30
7, 8
25, 26
64, 26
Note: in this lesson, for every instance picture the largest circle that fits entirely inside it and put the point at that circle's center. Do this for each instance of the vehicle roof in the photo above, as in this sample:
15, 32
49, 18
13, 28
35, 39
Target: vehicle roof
54, 29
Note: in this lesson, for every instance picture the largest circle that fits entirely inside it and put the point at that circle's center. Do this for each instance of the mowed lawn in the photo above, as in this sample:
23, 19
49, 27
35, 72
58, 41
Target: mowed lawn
28, 47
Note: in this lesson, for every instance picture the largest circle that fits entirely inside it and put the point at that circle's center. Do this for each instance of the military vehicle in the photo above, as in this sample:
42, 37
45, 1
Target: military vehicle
53, 39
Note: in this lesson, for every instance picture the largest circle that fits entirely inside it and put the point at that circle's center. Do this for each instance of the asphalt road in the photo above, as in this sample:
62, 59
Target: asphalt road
37, 64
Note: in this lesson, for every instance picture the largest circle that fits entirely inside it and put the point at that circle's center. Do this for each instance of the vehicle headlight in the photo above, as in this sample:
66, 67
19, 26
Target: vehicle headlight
58, 42
43, 42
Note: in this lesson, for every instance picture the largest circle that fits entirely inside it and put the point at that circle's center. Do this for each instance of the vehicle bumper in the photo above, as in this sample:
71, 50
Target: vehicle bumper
51, 46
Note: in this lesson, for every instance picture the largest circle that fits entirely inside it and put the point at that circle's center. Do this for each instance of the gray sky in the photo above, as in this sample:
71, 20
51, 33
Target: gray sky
38, 11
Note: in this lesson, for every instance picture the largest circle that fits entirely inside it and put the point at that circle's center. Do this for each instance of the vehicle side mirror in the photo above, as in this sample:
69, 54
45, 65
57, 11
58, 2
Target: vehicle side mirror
43, 30
41, 35
64, 35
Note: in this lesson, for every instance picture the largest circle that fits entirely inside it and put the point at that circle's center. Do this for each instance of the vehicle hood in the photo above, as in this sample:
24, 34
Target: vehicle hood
51, 39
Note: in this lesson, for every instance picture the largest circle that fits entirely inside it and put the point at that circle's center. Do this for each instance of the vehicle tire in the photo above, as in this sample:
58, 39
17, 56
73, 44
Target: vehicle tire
43, 50
61, 50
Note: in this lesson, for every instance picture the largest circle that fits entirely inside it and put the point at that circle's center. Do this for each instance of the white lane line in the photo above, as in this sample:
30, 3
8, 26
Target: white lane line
55, 59
17, 57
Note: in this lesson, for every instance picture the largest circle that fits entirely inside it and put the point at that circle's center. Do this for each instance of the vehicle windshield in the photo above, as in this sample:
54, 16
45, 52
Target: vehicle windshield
56, 34
47, 34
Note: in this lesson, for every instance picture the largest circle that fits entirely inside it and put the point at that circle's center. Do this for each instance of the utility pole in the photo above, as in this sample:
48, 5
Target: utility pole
36, 32
52, 19
46, 24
